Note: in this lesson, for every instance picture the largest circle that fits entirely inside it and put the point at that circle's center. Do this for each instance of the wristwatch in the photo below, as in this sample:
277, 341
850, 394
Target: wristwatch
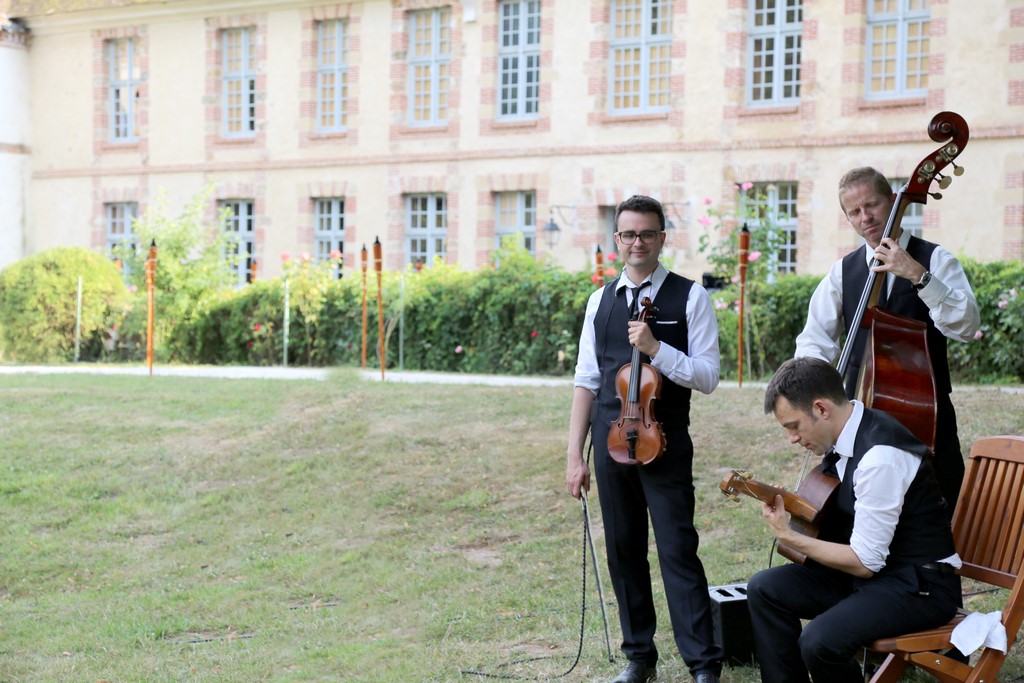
923, 282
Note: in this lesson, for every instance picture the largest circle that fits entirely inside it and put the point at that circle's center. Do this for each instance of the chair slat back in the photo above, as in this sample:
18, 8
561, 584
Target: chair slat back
988, 524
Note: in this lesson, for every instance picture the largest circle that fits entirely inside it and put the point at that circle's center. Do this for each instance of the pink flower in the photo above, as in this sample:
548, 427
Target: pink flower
595, 278
458, 349
306, 256
1003, 303
754, 255
610, 272
1013, 293
285, 257
612, 256
257, 327
133, 289
533, 335
720, 305
336, 254
704, 220
746, 186
707, 201
249, 343
114, 326
735, 279
979, 334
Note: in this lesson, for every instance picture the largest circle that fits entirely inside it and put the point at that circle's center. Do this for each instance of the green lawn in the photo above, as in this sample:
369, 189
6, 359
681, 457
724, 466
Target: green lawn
171, 529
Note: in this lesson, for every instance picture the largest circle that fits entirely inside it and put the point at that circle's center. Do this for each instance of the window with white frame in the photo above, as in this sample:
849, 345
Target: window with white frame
329, 231
331, 76
120, 236
430, 51
773, 52
641, 44
238, 81
516, 212
124, 78
913, 214
518, 58
777, 204
240, 238
897, 49
426, 228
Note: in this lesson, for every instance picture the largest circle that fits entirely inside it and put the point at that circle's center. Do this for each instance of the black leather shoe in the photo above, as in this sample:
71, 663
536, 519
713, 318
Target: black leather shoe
706, 677
637, 672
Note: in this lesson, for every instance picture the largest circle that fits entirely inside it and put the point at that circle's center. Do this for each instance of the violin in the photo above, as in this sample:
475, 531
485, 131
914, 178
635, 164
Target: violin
636, 437
896, 373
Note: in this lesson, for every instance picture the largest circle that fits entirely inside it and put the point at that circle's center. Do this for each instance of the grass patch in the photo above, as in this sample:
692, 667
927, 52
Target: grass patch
170, 529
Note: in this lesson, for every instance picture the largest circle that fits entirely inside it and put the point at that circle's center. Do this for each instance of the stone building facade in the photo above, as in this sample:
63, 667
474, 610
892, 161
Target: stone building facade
438, 126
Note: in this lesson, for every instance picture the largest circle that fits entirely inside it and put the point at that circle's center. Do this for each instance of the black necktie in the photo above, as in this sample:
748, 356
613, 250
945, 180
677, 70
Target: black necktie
635, 306
828, 463
883, 296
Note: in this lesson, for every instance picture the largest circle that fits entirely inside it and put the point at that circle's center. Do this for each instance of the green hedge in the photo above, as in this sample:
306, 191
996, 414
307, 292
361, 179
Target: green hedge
519, 317
39, 298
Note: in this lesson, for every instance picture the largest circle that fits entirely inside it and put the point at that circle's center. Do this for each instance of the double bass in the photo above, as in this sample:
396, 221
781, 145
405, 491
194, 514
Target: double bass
895, 373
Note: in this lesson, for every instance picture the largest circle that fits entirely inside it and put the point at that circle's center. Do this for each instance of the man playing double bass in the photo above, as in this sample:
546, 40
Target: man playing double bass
923, 281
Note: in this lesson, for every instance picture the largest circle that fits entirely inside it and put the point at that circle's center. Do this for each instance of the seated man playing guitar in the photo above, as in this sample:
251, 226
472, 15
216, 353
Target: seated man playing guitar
884, 561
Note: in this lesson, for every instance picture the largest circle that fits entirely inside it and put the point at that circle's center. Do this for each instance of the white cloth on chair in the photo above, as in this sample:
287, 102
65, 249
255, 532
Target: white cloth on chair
979, 629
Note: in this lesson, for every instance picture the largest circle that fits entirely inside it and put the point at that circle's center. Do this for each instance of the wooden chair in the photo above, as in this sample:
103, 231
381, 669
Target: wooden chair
988, 526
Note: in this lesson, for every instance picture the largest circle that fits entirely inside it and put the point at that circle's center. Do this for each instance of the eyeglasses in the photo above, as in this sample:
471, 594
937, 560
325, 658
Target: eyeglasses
647, 236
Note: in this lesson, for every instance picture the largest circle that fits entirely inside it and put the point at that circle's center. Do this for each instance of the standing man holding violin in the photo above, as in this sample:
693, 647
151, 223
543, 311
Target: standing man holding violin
682, 346
926, 283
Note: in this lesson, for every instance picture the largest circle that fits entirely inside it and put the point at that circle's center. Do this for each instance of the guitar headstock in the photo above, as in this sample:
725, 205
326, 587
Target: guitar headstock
733, 481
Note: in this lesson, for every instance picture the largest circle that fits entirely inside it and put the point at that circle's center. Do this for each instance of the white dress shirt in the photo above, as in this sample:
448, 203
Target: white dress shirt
949, 297
696, 368
880, 485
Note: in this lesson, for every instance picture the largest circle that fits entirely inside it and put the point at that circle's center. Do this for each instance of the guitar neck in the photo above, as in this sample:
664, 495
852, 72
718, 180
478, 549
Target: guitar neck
794, 504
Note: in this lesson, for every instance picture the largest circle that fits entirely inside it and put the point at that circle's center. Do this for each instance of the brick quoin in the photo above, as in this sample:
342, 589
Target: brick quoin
1015, 95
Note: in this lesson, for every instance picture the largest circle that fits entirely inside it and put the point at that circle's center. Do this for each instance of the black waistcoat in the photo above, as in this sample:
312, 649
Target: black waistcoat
611, 344
903, 299
922, 533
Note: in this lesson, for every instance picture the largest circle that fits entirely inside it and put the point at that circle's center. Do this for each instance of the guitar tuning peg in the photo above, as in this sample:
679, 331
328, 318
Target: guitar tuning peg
957, 170
936, 195
944, 181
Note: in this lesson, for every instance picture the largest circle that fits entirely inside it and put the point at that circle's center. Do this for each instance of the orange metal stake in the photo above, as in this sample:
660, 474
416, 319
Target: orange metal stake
744, 251
378, 264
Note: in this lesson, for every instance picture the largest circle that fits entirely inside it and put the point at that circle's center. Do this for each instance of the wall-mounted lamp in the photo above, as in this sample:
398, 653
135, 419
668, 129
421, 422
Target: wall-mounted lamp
551, 230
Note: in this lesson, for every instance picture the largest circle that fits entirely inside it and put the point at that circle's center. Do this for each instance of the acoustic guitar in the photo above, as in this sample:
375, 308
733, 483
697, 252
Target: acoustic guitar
806, 506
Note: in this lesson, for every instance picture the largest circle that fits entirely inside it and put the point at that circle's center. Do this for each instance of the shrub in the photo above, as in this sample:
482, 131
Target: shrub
775, 315
192, 274
38, 301
997, 353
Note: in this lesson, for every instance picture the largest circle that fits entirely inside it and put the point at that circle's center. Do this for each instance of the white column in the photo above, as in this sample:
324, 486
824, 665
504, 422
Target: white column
15, 139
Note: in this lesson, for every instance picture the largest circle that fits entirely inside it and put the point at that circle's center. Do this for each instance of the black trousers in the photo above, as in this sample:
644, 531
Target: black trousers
949, 459
664, 490
845, 614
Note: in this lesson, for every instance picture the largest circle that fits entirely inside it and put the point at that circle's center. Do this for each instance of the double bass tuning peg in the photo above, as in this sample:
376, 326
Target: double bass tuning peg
944, 180
957, 170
